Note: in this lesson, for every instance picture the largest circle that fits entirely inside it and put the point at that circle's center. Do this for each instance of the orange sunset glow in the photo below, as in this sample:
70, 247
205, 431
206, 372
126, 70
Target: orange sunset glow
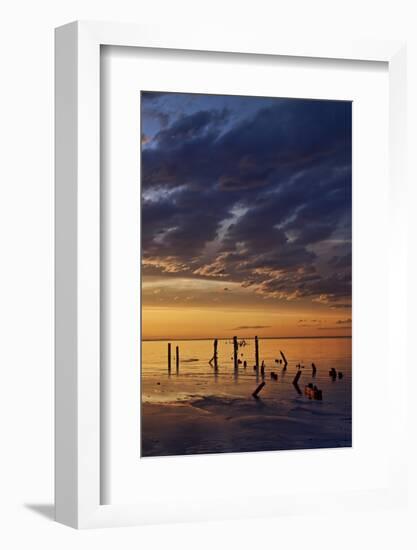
207, 310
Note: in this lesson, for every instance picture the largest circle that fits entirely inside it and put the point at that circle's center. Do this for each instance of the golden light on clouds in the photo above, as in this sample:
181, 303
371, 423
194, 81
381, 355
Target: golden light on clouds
180, 307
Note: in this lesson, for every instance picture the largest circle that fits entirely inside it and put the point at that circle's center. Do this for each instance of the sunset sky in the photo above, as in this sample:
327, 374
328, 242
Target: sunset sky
246, 216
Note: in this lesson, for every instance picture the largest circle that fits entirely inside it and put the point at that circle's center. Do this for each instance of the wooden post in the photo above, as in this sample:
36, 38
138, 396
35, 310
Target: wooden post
258, 389
177, 358
235, 350
296, 378
285, 360
256, 353
215, 353
214, 358
295, 382
169, 357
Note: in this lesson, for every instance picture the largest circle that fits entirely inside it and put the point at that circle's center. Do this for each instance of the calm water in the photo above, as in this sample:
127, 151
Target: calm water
201, 410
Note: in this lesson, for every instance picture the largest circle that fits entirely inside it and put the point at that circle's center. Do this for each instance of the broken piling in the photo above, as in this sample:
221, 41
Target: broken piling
285, 360
256, 352
258, 389
169, 357
235, 351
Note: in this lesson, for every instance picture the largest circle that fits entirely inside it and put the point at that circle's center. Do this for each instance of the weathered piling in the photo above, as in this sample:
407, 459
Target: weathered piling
313, 366
256, 352
235, 351
296, 378
295, 382
177, 359
213, 360
215, 353
258, 389
169, 357
285, 360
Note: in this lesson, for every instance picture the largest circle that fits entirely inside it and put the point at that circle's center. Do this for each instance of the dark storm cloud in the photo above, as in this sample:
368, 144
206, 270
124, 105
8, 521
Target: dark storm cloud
191, 127
341, 261
246, 202
267, 149
187, 220
152, 96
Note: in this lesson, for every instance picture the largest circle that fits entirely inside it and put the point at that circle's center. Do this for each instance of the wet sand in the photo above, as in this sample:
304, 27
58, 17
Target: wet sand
218, 425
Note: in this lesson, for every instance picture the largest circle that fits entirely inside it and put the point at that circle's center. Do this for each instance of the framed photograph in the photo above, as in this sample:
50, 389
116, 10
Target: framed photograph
228, 320
246, 219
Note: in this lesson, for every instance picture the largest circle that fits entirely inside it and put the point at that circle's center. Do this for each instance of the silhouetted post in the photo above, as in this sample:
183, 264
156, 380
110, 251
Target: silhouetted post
235, 350
295, 382
258, 389
256, 353
214, 358
177, 358
285, 360
169, 357
313, 366
296, 378
215, 354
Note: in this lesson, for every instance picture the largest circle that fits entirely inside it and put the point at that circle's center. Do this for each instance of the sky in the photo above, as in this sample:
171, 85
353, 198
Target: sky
246, 216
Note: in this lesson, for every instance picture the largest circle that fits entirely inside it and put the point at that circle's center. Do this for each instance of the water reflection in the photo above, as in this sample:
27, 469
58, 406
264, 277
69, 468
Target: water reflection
202, 411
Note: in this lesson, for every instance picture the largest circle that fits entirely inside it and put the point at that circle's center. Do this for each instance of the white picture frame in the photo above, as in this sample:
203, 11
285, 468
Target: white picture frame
78, 405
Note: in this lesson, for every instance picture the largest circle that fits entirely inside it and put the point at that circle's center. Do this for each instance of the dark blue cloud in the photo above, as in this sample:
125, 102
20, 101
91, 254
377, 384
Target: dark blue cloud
189, 128
153, 96
250, 199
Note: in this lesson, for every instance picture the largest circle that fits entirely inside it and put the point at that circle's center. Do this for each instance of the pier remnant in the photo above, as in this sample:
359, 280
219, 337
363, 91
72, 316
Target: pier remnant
169, 356
285, 360
258, 389
235, 352
177, 359
256, 352
296, 378
214, 358
313, 366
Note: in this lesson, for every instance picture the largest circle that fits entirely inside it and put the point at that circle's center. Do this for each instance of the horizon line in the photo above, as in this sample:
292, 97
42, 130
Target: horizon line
248, 338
